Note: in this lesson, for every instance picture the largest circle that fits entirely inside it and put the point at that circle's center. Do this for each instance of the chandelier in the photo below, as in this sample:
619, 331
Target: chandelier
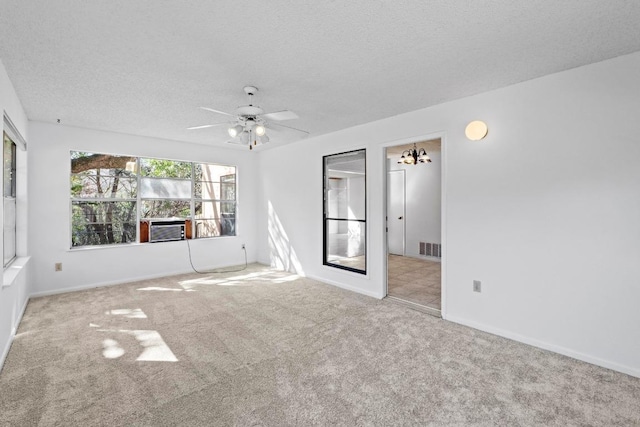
414, 156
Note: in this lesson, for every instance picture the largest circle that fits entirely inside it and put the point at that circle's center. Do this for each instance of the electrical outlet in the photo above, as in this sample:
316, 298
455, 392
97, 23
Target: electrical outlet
243, 246
58, 266
477, 286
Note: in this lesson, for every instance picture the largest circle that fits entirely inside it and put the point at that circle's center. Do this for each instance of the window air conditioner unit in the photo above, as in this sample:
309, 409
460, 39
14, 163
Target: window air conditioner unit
166, 231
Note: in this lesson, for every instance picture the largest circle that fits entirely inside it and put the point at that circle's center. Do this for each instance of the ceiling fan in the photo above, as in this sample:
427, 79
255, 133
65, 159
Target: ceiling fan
250, 122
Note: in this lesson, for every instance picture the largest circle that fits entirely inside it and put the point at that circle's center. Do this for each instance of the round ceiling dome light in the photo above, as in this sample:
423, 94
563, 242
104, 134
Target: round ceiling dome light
476, 130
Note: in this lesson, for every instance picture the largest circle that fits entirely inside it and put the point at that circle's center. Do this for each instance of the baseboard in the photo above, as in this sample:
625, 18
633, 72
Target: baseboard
547, 346
119, 282
14, 330
347, 287
19, 319
5, 351
423, 257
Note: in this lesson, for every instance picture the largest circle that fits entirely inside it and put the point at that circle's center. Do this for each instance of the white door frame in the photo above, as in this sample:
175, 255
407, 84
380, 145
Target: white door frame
443, 208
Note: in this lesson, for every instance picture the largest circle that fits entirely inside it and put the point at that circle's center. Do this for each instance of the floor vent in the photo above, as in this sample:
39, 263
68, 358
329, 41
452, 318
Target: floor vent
431, 249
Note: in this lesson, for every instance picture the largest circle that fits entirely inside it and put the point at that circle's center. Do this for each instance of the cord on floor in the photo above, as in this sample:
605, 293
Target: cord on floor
216, 271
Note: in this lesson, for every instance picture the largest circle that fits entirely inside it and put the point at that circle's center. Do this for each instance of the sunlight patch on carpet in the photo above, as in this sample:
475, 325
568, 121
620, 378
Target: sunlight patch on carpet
158, 288
247, 279
154, 349
129, 313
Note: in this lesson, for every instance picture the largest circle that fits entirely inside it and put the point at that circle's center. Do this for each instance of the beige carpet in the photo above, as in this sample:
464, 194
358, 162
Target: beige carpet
266, 348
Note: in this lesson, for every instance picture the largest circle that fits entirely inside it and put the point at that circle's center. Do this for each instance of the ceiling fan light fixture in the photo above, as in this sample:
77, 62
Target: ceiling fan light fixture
244, 136
235, 131
264, 139
260, 130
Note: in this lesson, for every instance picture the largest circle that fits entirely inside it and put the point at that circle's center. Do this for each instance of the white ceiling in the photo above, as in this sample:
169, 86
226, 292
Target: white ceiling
144, 67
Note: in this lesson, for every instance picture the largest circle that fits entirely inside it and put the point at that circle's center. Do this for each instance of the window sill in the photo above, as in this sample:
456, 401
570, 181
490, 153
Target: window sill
13, 270
138, 244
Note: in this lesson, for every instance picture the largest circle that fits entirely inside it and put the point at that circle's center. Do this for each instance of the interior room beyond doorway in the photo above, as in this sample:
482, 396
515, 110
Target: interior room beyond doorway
414, 230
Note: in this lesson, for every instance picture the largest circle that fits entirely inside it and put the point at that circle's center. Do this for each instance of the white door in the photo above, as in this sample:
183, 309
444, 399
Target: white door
395, 212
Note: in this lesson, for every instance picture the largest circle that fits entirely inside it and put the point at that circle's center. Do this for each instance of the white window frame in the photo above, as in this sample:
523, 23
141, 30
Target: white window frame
139, 199
9, 200
21, 147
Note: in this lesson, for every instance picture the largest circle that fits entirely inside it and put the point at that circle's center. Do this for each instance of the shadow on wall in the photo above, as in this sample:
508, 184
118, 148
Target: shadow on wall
281, 253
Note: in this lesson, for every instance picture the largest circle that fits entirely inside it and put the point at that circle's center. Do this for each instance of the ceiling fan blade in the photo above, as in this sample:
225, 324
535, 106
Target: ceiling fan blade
288, 127
280, 115
206, 126
217, 111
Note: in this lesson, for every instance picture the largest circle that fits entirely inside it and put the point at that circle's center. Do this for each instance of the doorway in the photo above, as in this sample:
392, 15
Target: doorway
414, 224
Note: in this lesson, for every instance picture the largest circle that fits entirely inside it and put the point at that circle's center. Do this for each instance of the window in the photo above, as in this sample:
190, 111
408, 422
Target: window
345, 211
165, 189
215, 200
9, 229
111, 194
103, 199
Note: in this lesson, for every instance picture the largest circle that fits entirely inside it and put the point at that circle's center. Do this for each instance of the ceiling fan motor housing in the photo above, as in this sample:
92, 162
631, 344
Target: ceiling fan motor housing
250, 90
249, 110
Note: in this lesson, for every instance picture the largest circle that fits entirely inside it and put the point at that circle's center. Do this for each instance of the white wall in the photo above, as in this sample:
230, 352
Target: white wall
423, 204
14, 289
49, 168
545, 211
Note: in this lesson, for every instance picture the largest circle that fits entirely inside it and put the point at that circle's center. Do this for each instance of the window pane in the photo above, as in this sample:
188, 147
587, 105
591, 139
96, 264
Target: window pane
151, 188
107, 164
228, 188
9, 202
165, 209
87, 185
213, 173
345, 192
351, 162
215, 218
211, 209
345, 210
103, 223
9, 235
207, 190
215, 190
346, 243
215, 227
95, 175
9, 159
160, 168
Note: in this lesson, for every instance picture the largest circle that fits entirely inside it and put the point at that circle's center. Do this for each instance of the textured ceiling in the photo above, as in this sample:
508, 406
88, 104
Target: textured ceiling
144, 67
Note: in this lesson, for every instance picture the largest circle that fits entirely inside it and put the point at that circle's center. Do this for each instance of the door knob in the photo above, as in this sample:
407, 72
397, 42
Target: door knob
399, 217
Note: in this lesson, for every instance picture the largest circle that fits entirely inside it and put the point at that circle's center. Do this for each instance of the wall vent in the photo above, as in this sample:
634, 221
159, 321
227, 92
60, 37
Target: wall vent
431, 249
